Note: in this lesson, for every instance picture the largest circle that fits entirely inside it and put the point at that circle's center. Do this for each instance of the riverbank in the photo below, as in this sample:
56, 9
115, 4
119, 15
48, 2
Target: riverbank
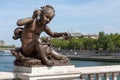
95, 58
90, 56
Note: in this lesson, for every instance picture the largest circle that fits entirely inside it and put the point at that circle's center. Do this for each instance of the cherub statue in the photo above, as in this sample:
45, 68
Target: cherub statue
32, 48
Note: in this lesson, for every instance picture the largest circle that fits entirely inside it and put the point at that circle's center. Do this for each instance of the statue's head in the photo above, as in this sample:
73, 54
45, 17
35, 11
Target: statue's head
48, 13
45, 14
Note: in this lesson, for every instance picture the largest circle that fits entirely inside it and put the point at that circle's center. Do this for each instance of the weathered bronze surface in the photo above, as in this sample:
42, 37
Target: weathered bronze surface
33, 51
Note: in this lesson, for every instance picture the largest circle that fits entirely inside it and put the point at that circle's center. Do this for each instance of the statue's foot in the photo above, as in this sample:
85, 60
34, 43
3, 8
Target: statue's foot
49, 63
64, 60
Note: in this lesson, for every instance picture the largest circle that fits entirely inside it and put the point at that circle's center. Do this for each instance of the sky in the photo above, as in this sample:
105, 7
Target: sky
84, 16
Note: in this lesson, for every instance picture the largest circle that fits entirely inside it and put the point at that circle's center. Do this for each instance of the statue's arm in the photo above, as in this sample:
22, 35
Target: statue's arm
24, 21
54, 34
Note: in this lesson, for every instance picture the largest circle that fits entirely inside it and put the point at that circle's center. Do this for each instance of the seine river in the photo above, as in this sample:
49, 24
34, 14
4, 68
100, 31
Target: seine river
6, 62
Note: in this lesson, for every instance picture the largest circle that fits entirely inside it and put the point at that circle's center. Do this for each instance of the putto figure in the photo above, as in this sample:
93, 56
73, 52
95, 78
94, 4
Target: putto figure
33, 51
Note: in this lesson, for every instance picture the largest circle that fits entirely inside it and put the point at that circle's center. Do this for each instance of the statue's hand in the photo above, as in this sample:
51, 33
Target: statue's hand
66, 36
36, 14
65, 33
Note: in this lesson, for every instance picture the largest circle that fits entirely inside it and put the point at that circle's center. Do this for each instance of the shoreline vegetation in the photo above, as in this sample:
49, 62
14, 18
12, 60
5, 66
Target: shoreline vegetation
6, 48
104, 42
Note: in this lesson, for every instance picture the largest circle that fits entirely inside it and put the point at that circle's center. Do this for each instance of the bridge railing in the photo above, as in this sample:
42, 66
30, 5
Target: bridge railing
111, 72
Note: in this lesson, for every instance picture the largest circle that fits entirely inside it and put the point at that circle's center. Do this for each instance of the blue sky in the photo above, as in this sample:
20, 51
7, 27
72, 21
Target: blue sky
84, 16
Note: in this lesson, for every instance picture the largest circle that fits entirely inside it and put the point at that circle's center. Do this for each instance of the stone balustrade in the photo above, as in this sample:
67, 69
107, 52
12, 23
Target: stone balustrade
111, 72
100, 72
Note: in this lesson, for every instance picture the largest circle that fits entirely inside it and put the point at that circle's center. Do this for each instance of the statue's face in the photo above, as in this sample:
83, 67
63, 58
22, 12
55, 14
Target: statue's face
47, 16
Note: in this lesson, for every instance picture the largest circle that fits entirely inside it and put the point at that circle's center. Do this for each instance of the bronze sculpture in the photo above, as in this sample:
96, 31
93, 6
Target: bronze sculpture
33, 51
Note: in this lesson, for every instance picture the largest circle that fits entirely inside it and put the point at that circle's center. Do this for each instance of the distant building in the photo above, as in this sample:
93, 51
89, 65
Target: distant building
76, 35
2, 43
94, 36
80, 35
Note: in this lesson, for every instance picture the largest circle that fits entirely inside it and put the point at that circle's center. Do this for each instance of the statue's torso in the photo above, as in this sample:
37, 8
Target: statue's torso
31, 32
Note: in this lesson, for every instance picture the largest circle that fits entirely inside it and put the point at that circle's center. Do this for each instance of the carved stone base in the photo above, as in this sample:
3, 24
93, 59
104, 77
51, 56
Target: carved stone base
46, 73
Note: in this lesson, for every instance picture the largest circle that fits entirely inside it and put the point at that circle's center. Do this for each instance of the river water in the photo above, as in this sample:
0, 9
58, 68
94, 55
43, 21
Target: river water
6, 62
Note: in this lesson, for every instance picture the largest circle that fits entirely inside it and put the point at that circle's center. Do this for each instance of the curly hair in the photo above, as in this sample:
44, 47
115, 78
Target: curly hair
47, 8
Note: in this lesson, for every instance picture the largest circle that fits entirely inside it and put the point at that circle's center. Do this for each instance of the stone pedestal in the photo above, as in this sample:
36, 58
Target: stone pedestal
46, 73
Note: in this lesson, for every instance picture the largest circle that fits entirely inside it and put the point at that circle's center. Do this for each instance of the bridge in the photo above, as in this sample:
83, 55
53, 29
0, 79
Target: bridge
77, 73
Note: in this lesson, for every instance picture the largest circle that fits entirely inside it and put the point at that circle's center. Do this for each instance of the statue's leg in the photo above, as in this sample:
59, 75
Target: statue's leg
59, 58
29, 49
31, 56
36, 48
41, 50
57, 55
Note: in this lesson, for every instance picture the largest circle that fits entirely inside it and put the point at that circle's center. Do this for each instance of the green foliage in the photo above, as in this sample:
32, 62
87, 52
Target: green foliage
59, 43
11, 46
109, 42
